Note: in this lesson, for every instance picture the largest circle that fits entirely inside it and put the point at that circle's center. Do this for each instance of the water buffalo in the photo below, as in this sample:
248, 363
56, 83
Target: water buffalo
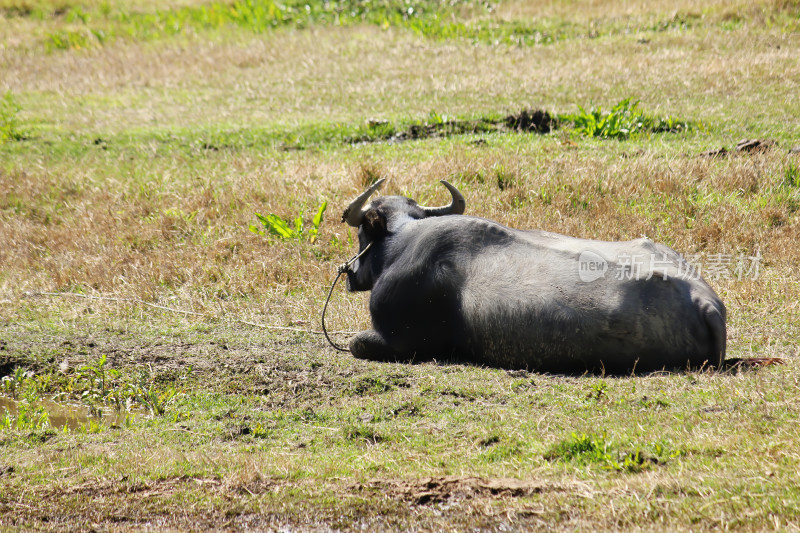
457, 287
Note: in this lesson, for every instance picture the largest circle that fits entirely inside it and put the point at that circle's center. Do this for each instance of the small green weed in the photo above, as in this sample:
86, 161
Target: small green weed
624, 120
75, 39
13, 383
791, 175
635, 461
583, 448
284, 229
28, 418
101, 386
154, 399
596, 450
598, 391
260, 432
9, 123
92, 426
506, 179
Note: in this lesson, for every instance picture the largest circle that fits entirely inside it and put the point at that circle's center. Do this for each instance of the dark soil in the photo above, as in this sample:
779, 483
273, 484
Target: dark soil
450, 502
439, 489
745, 146
526, 121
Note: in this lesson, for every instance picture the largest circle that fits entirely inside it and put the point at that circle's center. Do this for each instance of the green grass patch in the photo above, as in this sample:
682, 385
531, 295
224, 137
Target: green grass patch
97, 27
624, 120
584, 449
9, 120
468, 20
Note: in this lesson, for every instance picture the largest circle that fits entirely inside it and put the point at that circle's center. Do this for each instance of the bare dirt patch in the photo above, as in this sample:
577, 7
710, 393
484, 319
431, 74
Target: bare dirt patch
123, 504
444, 488
745, 146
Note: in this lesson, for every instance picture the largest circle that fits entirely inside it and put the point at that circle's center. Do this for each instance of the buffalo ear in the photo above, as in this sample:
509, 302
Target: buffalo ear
374, 223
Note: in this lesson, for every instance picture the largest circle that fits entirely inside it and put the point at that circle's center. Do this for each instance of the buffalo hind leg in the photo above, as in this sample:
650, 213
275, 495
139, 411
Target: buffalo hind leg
371, 345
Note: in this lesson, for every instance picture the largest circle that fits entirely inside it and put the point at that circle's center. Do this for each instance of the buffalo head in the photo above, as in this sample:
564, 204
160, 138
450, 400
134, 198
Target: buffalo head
383, 217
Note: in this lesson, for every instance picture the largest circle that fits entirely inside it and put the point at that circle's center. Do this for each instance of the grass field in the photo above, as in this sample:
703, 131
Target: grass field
138, 140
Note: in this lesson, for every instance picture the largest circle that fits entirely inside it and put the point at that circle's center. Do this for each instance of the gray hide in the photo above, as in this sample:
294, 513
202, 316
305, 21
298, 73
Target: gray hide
464, 288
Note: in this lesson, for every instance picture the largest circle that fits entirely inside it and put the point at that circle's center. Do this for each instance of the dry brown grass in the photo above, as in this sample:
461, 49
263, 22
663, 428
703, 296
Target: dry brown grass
155, 239
185, 242
636, 11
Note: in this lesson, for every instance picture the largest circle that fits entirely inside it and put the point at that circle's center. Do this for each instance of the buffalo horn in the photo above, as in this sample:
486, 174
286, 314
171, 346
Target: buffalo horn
456, 207
354, 215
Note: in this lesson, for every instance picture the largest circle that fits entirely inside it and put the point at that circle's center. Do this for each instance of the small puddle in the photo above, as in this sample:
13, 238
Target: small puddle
64, 415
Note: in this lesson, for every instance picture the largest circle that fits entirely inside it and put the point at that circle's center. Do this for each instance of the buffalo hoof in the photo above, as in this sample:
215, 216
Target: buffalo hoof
371, 345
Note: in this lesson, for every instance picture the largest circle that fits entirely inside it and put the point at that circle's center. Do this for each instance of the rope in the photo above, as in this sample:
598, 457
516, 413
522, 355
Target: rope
341, 270
325, 308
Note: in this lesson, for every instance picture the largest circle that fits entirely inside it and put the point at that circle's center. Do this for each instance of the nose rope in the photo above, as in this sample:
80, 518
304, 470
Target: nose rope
339, 271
